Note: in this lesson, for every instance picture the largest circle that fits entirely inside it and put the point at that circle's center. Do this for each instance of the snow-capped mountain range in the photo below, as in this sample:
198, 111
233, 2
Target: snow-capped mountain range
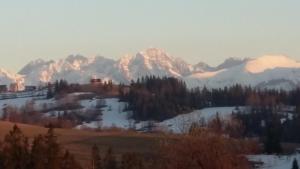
268, 71
7, 77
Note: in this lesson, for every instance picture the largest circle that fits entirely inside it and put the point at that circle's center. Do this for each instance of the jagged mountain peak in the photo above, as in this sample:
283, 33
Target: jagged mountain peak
76, 57
37, 61
74, 68
154, 53
4, 71
157, 55
202, 67
34, 65
231, 62
152, 61
7, 77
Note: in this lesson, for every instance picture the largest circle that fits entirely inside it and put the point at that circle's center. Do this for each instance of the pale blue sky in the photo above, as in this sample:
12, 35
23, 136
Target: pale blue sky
196, 30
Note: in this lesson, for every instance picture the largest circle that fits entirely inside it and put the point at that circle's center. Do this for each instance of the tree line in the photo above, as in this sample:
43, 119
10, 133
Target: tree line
61, 87
160, 98
272, 125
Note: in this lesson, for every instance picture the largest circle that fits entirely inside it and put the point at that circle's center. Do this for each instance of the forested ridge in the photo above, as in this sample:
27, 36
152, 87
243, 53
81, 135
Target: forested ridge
155, 98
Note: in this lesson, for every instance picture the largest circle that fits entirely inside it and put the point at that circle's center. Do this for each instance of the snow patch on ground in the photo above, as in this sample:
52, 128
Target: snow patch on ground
182, 123
20, 102
274, 161
113, 115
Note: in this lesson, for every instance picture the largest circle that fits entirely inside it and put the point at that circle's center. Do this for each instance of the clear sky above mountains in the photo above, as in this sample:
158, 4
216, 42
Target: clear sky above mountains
195, 30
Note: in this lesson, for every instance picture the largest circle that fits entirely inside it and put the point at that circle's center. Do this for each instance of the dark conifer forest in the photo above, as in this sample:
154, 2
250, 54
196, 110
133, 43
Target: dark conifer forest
162, 98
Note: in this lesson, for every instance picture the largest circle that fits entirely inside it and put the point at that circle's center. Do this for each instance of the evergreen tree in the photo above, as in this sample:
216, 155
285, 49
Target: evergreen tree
15, 150
1, 157
295, 164
50, 93
38, 158
52, 149
56, 86
109, 161
216, 124
131, 161
96, 158
273, 137
68, 162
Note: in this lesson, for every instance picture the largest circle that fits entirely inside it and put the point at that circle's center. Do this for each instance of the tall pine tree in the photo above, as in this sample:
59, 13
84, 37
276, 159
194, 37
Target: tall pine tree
16, 150
52, 149
38, 158
295, 164
109, 161
96, 158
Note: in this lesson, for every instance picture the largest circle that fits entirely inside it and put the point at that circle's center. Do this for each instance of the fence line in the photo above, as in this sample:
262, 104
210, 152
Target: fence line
24, 94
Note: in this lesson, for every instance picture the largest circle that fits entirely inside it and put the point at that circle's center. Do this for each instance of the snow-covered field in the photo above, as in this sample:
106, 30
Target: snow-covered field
20, 102
113, 114
182, 123
275, 162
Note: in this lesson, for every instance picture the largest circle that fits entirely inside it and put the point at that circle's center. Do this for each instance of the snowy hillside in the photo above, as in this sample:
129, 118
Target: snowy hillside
115, 116
21, 102
182, 123
112, 116
274, 161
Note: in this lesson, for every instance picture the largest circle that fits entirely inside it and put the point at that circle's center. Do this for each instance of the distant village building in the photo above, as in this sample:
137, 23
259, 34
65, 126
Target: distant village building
3, 88
30, 88
96, 81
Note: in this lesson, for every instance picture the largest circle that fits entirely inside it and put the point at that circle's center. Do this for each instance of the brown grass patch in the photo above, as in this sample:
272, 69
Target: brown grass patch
80, 142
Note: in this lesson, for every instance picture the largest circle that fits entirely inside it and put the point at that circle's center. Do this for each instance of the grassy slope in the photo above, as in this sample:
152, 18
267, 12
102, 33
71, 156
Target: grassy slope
80, 142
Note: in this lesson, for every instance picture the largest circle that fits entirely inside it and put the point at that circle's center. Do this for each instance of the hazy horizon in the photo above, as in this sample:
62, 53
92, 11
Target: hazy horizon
194, 30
